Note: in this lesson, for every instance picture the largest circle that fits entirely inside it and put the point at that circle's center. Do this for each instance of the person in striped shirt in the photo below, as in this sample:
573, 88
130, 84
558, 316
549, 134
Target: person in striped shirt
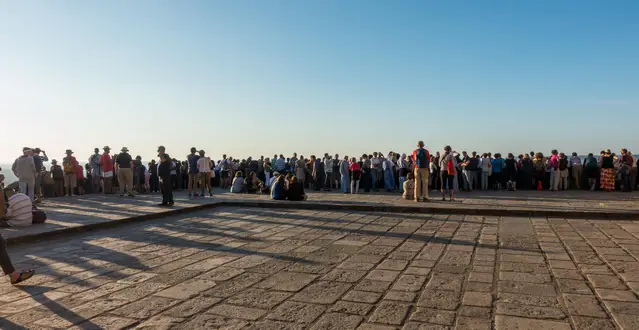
19, 210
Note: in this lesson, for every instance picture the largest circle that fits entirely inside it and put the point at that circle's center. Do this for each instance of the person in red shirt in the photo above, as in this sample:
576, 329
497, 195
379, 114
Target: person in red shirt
356, 174
79, 178
106, 165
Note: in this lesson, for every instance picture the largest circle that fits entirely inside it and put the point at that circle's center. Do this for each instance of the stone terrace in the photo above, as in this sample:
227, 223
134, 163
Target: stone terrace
236, 268
64, 213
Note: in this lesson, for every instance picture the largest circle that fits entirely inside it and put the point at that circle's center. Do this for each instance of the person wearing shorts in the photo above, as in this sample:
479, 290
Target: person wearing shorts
204, 168
193, 172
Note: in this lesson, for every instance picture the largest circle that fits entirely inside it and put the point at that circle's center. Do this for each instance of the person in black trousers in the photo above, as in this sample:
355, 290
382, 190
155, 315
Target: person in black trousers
164, 171
154, 183
7, 267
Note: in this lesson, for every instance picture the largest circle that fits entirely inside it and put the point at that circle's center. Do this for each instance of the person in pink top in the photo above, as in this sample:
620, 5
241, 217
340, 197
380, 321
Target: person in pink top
356, 173
106, 165
553, 164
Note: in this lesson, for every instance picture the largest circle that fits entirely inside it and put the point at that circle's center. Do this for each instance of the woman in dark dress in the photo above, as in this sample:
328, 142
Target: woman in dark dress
164, 172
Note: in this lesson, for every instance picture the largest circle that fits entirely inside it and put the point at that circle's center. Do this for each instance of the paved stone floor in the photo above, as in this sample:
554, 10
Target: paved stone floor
235, 268
82, 210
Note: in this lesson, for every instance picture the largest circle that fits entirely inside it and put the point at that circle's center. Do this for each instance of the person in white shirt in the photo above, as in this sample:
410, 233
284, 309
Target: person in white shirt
204, 170
19, 210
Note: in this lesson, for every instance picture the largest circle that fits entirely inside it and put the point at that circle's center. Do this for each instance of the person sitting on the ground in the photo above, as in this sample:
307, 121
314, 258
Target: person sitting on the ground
18, 210
409, 187
278, 189
253, 184
296, 190
266, 188
237, 186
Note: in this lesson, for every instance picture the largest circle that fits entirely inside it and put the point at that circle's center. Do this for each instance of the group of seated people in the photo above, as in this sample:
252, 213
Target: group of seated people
280, 187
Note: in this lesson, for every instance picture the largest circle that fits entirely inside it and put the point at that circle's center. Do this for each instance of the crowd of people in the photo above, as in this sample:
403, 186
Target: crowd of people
447, 171
287, 178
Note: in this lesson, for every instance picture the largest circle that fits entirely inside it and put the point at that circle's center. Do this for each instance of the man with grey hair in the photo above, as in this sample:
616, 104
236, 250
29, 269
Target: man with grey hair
24, 168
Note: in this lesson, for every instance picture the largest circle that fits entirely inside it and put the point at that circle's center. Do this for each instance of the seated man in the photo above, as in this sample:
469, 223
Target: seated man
18, 210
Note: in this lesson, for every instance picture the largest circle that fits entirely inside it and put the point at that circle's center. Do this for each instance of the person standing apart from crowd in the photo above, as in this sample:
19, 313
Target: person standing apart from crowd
24, 169
69, 166
123, 167
204, 168
421, 159
164, 171
448, 169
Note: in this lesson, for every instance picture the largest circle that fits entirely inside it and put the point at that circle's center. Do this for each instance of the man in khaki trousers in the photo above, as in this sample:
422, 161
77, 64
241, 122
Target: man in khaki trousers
125, 173
421, 160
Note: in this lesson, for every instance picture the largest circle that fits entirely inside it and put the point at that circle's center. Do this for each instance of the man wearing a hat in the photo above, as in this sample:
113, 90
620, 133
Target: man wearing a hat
24, 168
106, 166
58, 178
69, 164
123, 165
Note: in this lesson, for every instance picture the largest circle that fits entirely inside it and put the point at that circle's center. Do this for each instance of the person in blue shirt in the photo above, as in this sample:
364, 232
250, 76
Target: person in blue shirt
497, 169
278, 190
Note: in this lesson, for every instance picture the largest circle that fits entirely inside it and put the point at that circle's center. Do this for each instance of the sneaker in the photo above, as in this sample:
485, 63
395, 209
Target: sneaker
171, 203
121, 195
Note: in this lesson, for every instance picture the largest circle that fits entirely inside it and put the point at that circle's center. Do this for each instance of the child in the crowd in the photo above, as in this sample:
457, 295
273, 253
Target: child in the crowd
409, 187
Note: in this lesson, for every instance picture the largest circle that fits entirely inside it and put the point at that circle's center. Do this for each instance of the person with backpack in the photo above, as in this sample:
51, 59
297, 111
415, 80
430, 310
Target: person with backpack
69, 167
58, 178
448, 170
94, 164
421, 159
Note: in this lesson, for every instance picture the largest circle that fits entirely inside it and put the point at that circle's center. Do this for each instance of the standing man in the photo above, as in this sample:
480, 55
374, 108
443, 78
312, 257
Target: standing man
39, 160
345, 174
577, 169
421, 159
24, 168
553, 165
204, 169
376, 166
125, 173
107, 169
69, 165
94, 164
225, 172
336, 175
193, 172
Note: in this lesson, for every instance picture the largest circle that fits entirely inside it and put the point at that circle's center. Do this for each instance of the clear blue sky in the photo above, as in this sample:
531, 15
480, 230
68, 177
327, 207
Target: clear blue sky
271, 76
